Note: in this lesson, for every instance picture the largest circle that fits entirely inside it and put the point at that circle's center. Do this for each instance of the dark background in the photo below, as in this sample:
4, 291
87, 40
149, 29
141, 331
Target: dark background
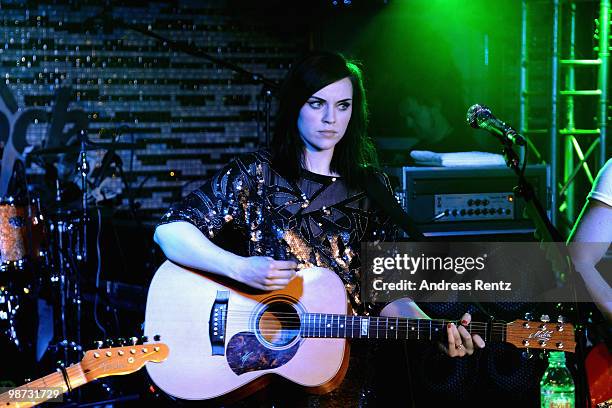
425, 63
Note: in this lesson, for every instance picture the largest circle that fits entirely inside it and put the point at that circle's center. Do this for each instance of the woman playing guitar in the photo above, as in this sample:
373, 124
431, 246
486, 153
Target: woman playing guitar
303, 204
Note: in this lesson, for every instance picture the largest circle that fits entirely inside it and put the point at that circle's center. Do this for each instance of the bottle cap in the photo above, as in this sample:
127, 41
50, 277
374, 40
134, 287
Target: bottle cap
557, 357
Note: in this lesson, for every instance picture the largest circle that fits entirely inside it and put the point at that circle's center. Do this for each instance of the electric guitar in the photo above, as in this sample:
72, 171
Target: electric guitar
227, 340
95, 364
598, 367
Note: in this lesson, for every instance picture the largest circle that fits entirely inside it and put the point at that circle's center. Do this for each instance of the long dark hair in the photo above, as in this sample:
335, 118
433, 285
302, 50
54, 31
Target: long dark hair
355, 152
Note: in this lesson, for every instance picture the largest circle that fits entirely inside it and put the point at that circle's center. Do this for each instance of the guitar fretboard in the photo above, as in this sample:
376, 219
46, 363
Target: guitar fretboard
55, 380
369, 327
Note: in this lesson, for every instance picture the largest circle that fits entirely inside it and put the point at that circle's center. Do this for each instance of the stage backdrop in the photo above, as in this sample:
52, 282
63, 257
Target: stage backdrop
63, 71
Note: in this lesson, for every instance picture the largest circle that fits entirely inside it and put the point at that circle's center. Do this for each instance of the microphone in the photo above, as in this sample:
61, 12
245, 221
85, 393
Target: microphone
480, 117
110, 156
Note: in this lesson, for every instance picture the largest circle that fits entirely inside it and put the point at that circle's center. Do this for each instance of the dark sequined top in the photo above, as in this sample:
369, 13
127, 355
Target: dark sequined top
317, 221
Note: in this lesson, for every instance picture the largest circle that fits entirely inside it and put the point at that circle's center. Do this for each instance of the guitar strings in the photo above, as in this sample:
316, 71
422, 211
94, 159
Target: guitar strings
293, 317
239, 316
249, 312
497, 326
409, 325
78, 371
477, 328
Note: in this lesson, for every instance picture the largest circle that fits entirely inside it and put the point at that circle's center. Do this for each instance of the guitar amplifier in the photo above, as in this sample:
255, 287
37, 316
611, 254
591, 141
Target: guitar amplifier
450, 201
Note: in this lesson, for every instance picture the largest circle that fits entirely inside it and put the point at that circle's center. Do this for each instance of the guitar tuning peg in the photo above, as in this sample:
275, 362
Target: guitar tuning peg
544, 354
98, 343
145, 339
110, 342
561, 319
121, 341
544, 318
528, 316
527, 355
134, 340
157, 337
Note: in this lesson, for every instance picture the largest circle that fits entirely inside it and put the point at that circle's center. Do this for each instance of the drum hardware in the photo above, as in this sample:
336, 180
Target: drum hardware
9, 304
68, 273
46, 234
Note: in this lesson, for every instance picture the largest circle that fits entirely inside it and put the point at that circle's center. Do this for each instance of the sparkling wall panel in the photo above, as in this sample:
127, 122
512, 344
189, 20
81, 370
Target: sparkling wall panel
186, 116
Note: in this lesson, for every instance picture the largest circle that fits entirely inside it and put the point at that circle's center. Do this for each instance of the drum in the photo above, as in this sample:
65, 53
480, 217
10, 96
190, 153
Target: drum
22, 232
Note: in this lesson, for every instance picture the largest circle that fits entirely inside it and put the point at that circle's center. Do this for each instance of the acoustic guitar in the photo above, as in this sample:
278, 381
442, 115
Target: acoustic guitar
228, 341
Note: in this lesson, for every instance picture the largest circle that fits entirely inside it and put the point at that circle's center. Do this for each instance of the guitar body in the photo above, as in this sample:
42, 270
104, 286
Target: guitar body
260, 334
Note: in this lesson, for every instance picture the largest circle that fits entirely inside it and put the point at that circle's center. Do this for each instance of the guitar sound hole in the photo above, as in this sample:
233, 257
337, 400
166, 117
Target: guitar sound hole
278, 324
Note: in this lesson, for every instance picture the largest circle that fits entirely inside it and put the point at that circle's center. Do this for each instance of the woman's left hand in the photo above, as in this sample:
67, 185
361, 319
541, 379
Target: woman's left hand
460, 342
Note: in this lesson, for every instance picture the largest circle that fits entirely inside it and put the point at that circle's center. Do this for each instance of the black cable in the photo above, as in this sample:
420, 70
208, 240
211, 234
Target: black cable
409, 375
62, 369
524, 163
98, 276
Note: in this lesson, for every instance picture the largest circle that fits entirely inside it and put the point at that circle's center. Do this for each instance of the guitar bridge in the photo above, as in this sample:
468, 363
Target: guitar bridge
217, 322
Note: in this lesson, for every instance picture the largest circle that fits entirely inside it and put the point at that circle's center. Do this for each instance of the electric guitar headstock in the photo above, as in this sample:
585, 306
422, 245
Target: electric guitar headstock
542, 335
103, 362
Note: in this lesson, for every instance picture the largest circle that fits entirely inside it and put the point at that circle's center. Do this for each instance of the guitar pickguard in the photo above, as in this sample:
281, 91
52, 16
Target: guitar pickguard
245, 353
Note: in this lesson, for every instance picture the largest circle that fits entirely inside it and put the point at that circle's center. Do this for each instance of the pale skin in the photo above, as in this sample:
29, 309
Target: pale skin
589, 242
322, 123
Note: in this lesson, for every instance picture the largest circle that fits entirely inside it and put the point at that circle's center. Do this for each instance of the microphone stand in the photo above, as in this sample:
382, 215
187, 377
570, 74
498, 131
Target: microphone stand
526, 191
110, 157
83, 169
550, 234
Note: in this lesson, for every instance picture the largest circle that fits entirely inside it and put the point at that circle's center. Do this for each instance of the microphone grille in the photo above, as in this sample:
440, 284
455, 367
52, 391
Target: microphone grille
476, 112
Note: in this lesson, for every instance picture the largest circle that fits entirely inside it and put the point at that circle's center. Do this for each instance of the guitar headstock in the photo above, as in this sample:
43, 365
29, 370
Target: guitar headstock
121, 360
543, 335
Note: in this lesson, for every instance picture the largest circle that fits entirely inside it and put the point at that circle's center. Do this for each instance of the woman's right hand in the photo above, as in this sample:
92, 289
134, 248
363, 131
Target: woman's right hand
264, 273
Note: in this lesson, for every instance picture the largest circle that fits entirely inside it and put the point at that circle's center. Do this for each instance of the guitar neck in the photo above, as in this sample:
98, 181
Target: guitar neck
373, 327
39, 390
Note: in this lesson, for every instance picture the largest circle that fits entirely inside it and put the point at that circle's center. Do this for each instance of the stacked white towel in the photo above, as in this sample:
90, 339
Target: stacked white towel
457, 159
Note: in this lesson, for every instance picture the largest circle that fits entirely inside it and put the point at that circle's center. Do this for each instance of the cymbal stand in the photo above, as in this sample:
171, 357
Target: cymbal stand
61, 276
68, 275
83, 170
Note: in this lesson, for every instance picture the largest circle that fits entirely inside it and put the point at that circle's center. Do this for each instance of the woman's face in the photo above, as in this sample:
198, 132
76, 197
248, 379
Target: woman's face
323, 119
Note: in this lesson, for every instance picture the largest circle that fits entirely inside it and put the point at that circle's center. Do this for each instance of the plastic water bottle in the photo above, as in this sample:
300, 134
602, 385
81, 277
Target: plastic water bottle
557, 386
